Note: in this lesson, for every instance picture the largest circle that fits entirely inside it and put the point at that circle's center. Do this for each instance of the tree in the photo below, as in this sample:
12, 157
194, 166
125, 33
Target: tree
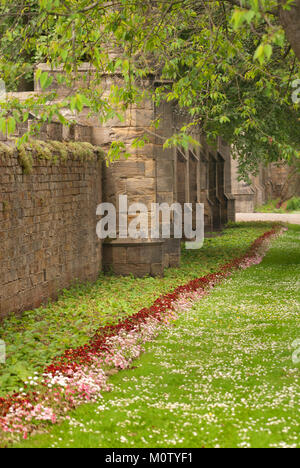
227, 65
290, 20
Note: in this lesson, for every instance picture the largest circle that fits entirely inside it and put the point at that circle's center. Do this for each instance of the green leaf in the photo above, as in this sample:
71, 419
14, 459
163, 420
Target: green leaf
3, 125
224, 119
11, 125
45, 80
249, 15
263, 53
268, 50
238, 18
259, 53
64, 54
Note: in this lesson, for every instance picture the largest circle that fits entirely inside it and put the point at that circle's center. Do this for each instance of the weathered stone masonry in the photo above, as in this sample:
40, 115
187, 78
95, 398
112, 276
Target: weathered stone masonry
276, 181
153, 174
48, 218
157, 175
47, 229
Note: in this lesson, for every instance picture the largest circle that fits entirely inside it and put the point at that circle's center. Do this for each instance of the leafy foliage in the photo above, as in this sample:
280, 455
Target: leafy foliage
225, 64
293, 204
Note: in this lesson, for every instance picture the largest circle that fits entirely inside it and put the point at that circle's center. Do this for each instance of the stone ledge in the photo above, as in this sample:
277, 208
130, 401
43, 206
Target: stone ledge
132, 242
136, 257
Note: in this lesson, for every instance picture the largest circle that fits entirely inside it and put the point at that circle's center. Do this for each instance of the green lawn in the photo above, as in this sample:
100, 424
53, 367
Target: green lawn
35, 338
291, 206
223, 376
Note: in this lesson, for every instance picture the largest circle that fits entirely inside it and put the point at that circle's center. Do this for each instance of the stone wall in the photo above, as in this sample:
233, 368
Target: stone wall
281, 181
152, 174
216, 185
47, 229
276, 181
146, 177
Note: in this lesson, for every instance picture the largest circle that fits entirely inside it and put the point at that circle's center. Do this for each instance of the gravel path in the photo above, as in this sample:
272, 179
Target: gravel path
286, 218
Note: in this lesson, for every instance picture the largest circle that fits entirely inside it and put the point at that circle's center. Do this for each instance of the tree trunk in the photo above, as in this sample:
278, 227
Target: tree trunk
290, 20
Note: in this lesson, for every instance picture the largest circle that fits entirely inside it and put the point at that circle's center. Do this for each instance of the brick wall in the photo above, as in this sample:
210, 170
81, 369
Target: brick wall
47, 229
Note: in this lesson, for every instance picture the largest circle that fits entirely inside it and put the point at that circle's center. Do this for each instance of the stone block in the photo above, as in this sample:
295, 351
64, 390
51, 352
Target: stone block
138, 270
140, 186
129, 169
165, 184
157, 269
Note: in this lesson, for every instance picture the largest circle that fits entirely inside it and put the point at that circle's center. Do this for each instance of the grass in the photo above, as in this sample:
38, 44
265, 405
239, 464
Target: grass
223, 376
289, 207
270, 207
35, 338
293, 204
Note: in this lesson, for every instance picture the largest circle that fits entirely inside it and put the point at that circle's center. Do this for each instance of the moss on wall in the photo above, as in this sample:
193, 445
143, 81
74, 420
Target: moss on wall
52, 151
5, 150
